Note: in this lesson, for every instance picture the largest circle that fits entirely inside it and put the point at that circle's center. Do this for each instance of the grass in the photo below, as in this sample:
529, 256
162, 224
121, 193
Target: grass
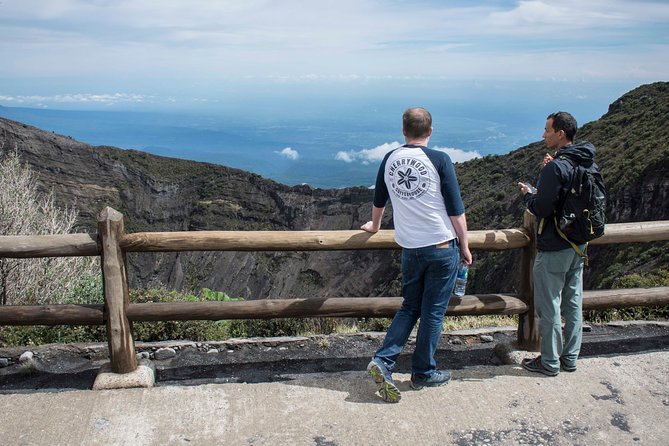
463, 322
202, 331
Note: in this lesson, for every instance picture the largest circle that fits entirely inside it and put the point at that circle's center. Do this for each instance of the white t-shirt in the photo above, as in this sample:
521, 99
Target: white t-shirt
420, 183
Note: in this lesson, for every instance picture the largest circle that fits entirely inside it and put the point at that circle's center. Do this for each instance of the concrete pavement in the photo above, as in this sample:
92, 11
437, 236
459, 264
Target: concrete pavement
620, 399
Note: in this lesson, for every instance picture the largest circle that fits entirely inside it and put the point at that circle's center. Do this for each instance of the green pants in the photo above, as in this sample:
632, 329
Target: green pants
558, 290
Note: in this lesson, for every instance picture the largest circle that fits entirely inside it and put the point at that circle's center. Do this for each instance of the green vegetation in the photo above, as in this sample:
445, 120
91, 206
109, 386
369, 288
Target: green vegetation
25, 210
632, 137
655, 278
58, 334
90, 291
152, 166
174, 330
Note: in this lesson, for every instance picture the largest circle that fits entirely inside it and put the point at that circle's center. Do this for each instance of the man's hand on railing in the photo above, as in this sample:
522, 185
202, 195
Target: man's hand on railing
374, 224
369, 227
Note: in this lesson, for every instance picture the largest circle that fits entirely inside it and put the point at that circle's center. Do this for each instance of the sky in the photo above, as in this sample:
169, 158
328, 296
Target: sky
118, 51
317, 57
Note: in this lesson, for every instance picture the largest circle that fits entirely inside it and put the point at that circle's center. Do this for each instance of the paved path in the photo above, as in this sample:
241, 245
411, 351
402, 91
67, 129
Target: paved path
610, 400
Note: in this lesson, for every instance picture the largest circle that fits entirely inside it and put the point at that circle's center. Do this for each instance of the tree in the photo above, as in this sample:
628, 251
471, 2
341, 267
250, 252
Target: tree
24, 210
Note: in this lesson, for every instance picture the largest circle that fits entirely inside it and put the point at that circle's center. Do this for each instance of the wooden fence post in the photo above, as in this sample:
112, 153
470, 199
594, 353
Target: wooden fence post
117, 301
528, 323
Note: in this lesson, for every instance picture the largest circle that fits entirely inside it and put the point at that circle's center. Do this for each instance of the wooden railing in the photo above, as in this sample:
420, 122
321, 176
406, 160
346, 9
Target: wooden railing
111, 244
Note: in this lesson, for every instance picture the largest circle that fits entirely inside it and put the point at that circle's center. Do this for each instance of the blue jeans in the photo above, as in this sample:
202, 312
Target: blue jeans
558, 291
428, 277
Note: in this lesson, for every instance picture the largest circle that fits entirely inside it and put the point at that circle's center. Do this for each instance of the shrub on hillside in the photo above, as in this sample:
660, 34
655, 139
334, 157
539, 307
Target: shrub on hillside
24, 210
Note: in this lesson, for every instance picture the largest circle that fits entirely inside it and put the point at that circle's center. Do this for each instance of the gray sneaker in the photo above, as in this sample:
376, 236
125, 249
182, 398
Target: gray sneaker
438, 378
385, 386
564, 365
535, 365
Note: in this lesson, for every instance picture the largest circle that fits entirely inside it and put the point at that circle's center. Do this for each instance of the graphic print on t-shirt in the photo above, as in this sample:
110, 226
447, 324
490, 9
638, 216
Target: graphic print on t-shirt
409, 178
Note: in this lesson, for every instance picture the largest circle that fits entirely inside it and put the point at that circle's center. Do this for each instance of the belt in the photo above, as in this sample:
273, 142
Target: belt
447, 244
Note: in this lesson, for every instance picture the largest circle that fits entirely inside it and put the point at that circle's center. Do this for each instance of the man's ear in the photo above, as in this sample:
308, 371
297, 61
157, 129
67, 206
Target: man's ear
404, 132
430, 134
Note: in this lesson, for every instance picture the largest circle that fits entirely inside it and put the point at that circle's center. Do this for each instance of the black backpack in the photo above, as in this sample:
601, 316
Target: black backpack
581, 217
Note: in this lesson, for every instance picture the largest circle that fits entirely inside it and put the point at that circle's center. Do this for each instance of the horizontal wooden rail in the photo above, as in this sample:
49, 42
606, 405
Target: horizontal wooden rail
64, 245
646, 231
255, 241
321, 307
58, 245
86, 244
68, 314
493, 240
267, 309
251, 309
621, 298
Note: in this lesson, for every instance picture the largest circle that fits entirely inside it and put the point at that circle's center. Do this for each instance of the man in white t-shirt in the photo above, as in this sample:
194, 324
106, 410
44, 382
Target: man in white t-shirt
431, 228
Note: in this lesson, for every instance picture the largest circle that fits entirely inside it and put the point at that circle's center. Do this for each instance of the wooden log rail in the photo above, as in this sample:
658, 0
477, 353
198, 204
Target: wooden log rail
65, 245
111, 244
469, 305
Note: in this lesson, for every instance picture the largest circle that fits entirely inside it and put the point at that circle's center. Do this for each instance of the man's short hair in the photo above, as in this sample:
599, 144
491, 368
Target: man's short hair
564, 121
417, 122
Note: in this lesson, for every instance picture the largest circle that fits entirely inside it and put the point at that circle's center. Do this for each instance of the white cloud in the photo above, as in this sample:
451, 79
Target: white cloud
345, 157
78, 98
289, 153
104, 44
538, 17
367, 156
458, 155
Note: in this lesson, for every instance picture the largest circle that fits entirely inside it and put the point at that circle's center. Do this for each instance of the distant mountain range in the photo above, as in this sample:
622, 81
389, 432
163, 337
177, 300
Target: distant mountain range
166, 194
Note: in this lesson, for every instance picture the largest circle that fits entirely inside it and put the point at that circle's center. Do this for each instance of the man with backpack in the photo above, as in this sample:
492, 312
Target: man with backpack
558, 267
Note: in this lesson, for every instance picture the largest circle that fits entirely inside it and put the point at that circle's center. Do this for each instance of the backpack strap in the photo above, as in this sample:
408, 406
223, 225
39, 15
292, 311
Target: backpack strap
583, 252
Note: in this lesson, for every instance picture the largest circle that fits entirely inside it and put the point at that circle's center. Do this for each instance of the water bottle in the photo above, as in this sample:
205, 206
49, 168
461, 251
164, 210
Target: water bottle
461, 280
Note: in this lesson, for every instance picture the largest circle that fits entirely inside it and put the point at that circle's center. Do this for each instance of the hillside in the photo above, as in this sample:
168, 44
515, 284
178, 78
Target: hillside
632, 144
165, 194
